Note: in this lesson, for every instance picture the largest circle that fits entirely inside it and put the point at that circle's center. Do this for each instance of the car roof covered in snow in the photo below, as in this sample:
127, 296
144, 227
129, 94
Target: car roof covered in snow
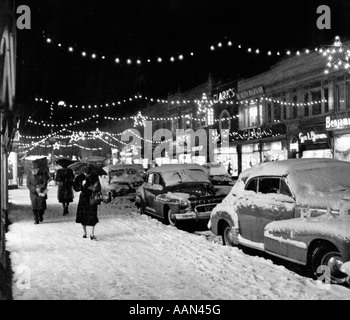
314, 182
176, 167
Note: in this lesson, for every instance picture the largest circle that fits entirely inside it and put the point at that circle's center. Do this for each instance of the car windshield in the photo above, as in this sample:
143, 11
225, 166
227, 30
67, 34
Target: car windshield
171, 178
117, 173
130, 171
197, 175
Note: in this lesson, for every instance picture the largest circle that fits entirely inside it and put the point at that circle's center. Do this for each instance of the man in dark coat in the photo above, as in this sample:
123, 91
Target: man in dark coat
37, 180
65, 194
89, 185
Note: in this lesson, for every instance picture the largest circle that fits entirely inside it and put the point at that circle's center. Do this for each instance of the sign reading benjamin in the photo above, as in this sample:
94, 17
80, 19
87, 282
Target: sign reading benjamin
336, 124
251, 93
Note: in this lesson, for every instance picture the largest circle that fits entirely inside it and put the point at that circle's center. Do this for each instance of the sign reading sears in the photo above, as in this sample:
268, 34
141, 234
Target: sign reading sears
332, 124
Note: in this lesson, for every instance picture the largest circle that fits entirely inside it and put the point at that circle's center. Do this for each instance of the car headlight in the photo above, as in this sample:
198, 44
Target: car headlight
184, 203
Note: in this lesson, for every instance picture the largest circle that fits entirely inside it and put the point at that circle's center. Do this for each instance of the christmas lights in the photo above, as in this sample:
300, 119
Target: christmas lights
338, 56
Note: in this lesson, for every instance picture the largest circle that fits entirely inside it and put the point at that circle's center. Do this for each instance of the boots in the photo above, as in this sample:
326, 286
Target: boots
36, 216
65, 208
41, 213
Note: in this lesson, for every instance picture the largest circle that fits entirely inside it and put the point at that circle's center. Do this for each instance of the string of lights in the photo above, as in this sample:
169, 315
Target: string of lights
132, 60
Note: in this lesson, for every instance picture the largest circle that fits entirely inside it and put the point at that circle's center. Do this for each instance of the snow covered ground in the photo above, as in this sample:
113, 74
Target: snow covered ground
138, 257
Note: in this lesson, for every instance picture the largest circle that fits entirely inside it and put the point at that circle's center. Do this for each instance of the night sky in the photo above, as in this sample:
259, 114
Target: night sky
157, 28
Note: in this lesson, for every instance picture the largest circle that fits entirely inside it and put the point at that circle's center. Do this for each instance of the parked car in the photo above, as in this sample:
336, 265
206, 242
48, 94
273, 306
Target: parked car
141, 170
298, 210
121, 180
218, 174
178, 192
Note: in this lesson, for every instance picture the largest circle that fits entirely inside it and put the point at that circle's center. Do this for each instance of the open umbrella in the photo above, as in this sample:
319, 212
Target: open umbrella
80, 167
64, 162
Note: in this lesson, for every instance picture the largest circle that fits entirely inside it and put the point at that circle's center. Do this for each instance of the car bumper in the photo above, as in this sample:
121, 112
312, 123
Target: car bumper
191, 215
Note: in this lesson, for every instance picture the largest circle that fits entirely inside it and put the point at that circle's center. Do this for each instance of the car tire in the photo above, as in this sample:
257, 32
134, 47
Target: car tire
167, 218
228, 236
326, 255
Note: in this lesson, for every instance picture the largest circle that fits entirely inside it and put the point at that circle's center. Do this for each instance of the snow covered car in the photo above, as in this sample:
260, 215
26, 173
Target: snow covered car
141, 170
178, 192
122, 180
295, 209
217, 173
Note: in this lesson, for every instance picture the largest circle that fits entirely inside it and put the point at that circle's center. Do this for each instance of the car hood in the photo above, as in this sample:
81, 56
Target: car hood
178, 195
126, 179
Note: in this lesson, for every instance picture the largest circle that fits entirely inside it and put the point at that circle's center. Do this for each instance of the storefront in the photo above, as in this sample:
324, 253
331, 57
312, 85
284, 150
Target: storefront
314, 142
262, 144
339, 128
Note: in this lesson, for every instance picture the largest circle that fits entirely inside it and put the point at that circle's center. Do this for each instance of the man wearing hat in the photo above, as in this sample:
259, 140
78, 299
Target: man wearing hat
37, 184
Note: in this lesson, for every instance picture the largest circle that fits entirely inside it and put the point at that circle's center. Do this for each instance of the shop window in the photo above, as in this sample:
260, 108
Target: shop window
340, 96
306, 105
316, 102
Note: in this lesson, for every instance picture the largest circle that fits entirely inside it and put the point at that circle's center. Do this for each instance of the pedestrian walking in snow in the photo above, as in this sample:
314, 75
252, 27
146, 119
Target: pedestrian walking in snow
65, 194
37, 180
20, 173
89, 185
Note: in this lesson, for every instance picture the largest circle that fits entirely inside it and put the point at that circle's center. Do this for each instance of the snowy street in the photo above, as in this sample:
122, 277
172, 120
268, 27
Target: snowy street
137, 257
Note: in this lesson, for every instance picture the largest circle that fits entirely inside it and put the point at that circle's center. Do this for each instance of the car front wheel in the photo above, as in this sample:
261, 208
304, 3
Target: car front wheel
325, 261
229, 236
172, 221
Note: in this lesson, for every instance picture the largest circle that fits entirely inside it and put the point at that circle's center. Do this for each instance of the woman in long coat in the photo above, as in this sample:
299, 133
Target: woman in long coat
65, 194
37, 184
89, 185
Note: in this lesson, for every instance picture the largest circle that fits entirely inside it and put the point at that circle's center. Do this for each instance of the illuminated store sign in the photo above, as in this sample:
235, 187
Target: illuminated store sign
224, 95
251, 93
332, 124
311, 136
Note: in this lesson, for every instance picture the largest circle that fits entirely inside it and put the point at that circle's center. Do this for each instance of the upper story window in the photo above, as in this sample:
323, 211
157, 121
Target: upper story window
316, 106
277, 110
294, 113
252, 114
340, 96
306, 104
